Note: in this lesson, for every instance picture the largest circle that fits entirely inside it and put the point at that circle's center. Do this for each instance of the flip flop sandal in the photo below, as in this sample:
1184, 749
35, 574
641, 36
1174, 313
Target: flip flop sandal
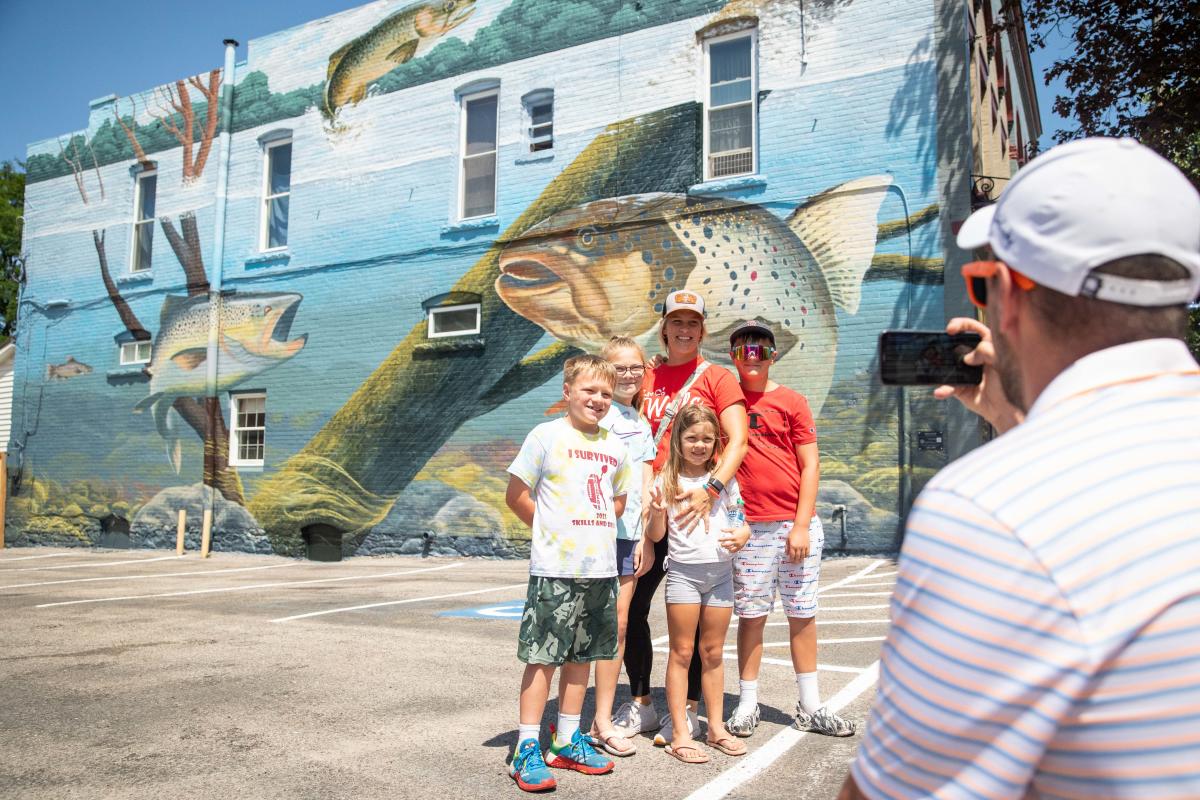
727, 745
605, 742
681, 753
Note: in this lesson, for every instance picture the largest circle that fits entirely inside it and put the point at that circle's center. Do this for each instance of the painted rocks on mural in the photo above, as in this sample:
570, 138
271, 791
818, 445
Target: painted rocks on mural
602, 269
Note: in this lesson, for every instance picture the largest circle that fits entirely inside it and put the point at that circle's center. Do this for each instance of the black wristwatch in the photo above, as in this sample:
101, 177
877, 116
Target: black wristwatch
715, 487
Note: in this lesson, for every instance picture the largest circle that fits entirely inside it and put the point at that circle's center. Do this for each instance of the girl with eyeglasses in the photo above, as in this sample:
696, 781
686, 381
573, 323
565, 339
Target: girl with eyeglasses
634, 557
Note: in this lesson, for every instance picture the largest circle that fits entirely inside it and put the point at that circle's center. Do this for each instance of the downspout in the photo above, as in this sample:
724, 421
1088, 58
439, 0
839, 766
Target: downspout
211, 401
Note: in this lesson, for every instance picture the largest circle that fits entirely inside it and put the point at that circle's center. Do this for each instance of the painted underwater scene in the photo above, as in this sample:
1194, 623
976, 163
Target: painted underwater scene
376, 433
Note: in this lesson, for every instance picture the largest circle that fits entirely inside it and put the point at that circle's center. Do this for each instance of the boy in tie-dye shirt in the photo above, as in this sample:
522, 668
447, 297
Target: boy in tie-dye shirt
568, 484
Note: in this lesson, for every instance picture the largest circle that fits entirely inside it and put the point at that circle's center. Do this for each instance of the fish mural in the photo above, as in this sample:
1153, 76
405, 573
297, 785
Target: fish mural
253, 338
402, 36
602, 269
67, 370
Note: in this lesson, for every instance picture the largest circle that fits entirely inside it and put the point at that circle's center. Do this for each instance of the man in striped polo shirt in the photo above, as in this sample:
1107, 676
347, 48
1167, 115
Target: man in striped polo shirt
1045, 637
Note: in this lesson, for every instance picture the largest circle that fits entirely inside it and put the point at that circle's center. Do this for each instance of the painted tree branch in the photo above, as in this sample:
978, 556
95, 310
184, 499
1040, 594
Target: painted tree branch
533, 371
217, 472
187, 250
76, 168
899, 227
131, 134
128, 318
211, 94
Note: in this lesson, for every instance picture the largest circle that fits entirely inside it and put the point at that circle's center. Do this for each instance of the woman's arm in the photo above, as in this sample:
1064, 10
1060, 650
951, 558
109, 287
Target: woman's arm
698, 502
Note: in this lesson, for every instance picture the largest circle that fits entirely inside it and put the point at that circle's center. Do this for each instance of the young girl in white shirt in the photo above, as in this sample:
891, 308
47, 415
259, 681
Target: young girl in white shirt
634, 558
699, 577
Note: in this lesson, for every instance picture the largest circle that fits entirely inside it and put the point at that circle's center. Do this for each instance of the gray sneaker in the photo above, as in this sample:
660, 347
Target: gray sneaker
823, 722
743, 724
667, 732
633, 718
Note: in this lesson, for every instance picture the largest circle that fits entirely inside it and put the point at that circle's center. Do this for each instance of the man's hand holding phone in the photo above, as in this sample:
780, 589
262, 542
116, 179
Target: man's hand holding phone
985, 398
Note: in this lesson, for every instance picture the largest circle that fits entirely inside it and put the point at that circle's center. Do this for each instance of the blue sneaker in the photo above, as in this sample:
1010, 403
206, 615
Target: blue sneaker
529, 768
577, 754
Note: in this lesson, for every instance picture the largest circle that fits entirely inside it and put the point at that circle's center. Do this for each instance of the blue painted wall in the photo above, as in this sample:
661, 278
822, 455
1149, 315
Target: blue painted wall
377, 431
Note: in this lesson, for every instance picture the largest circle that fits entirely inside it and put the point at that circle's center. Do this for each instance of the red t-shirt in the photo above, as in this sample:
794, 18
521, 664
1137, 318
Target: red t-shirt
716, 388
769, 476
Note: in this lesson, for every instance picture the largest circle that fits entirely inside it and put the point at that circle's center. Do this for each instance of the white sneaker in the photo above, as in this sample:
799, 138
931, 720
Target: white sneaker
667, 732
633, 718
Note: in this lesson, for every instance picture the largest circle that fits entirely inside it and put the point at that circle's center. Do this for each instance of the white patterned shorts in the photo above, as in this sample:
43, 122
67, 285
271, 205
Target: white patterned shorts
760, 568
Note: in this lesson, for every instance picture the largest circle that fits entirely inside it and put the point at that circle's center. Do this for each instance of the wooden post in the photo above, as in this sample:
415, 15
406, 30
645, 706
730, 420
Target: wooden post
3, 494
206, 533
179, 532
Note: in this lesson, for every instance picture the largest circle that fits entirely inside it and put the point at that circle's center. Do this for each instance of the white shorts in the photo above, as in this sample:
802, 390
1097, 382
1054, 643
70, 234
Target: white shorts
760, 567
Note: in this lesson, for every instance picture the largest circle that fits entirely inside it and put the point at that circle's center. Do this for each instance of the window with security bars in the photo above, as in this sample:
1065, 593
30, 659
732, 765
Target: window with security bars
730, 111
277, 193
539, 116
478, 176
248, 429
144, 194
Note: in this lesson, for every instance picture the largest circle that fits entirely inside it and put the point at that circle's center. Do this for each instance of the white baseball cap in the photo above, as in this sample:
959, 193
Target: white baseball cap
683, 300
1085, 203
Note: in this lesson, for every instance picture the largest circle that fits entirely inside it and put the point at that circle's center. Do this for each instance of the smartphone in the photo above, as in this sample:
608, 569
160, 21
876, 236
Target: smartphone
927, 358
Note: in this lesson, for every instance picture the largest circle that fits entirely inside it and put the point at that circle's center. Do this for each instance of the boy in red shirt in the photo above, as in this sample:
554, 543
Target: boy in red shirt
779, 479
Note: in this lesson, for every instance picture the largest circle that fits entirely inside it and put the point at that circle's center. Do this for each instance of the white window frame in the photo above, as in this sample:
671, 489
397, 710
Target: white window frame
464, 101
264, 226
235, 400
706, 79
129, 352
138, 221
535, 98
433, 312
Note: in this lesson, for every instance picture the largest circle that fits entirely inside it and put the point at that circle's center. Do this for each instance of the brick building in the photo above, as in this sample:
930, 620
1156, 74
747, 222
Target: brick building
324, 292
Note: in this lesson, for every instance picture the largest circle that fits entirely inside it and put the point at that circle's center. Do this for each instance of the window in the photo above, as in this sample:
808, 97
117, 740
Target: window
144, 191
247, 429
539, 120
730, 116
478, 180
277, 189
135, 353
454, 320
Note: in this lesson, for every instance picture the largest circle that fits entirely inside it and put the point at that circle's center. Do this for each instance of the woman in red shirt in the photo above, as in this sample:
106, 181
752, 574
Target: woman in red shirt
681, 333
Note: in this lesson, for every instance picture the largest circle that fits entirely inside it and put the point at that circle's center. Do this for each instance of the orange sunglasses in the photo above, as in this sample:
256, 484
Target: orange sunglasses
976, 274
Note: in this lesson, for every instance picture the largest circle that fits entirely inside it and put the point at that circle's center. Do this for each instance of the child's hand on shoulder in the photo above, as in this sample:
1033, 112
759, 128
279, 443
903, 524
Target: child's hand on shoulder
734, 539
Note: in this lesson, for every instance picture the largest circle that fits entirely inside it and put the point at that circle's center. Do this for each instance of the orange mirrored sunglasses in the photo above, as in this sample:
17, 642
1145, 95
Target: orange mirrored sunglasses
976, 274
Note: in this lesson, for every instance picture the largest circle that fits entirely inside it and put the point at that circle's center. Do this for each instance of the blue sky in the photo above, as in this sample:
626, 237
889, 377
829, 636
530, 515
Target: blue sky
60, 54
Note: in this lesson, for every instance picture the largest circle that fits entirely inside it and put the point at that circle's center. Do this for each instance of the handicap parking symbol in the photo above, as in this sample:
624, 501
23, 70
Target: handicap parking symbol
507, 611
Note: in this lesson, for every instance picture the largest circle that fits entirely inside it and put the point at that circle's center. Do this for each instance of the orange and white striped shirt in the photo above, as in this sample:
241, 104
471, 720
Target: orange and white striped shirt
1045, 637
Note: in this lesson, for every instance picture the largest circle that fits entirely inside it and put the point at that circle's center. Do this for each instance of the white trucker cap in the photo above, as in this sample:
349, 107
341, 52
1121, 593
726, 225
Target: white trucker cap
1085, 203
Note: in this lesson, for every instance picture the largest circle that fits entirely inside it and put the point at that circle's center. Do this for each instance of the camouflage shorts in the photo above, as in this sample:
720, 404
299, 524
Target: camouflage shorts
568, 619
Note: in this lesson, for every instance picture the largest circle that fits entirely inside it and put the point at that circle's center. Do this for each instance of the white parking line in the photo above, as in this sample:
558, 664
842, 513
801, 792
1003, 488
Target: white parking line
854, 608
399, 602
752, 765
142, 577
93, 564
251, 586
782, 662
862, 573
819, 641
885, 574
27, 558
861, 594
884, 621
877, 583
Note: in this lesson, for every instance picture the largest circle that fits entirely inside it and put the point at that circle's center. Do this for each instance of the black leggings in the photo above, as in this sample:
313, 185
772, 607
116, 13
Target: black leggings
639, 653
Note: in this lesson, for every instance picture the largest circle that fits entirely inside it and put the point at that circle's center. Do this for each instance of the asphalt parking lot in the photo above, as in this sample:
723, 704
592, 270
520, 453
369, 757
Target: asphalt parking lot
139, 674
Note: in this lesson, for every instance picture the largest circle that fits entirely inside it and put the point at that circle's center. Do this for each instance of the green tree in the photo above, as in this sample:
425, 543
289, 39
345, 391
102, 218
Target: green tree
1133, 70
12, 206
